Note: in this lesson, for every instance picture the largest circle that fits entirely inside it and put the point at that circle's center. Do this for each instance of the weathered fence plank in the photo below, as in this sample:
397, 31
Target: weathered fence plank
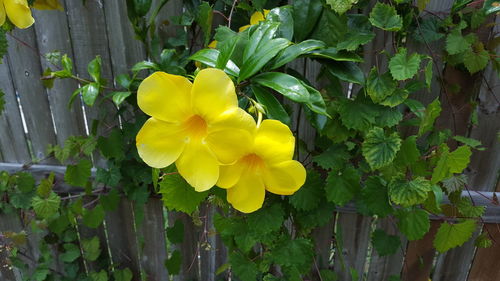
420, 256
189, 247
485, 265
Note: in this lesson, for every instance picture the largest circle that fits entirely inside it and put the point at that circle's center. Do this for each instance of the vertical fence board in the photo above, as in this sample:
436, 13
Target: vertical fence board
355, 231
419, 256
13, 143
52, 33
188, 248
208, 244
485, 265
25, 68
154, 249
122, 238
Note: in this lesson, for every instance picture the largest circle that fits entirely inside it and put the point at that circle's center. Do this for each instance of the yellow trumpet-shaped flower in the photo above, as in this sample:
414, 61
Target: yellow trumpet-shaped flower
255, 19
196, 125
266, 165
18, 12
48, 5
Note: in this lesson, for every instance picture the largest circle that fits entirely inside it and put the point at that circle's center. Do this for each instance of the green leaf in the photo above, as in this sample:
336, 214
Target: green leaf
428, 31
284, 84
93, 218
455, 183
123, 274
451, 235
294, 253
385, 17
431, 113
282, 15
94, 69
178, 195
2, 101
315, 102
173, 264
428, 74
273, 107
341, 6
378, 86
111, 200
119, 97
226, 47
310, 194
91, 248
305, 16
175, 234
375, 196
143, 65
78, 175
450, 162
45, 187
4, 44
476, 61
483, 241
331, 28
388, 117
379, 149
110, 177
409, 193
204, 19
46, 207
473, 143
338, 55
294, 51
404, 67
409, 153
141, 7
266, 220
346, 71
71, 253
334, 157
99, 276
242, 267
210, 58
456, 43
421, 4
364, 116
24, 182
342, 186
491, 6
112, 146
384, 243
414, 224
90, 93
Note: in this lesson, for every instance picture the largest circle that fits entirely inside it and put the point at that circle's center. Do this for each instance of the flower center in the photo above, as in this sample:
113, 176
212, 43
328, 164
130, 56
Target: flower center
253, 162
196, 127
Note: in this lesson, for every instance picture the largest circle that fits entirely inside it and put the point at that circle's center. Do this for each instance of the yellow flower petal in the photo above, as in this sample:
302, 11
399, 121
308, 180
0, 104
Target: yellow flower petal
243, 28
198, 166
248, 194
165, 96
159, 143
230, 136
48, 5
213, 44
230, 175
257, 17
213, 93
274, 141
19, 13
2, 13
284, 178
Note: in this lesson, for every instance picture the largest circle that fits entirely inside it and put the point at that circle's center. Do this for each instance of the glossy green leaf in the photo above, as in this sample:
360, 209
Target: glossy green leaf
305, 16
94, 69
294, 51
119, 97
385, 17
408, 193
273, 107
335, 54
284, 84
346, 71
210, 56
204, 18
451, 235
90, 93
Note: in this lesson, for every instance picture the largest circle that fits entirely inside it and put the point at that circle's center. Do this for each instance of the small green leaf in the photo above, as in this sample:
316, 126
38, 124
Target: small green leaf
476, 61
428, 74
305, 16
145, 65
341, 6
273, 107
404, 67
431, 113
310, 194
123, 274
242, 267
379, 149
71, 253
119, 97
456, 43
284, 84
46, 207
342, 186
414, 224
99, 276
45, 187
384, 243
210, 58
455, 183
451, 235
93, 218
483, 241
346, 71
94, 69
175, 234
78, 175
173, 264
91, 248
90, 93
378, 86
385, 17
421, 4
204, 19
24, 182
375, 196
2, 101
409, 193
178, 195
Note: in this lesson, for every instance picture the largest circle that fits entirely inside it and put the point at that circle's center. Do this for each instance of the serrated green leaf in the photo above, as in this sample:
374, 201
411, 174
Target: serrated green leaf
111, 200
334, 157
476, 61
284, 84
409, 193
384, 243
388, 117
46, 207
379, 149
385, 17
414, 224
428, 31
294, 253
310, 194
99, 276
342, 186
456, 43
455, 183
375, 196
431, 113
173, 264
378, 86
71, 253
450, 162
243, 268
364, 118
4, 45
409, 153
266, 220
24, 181
453, 235
91, 248
396, 98
112, 145
483, 241
94, 217
359, 33
404, 67
341, 6
178, 195
78, 174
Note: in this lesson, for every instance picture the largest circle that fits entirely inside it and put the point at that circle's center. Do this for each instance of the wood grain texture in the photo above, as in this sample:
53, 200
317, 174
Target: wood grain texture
485, 265
8, 222
188, 247
420, 256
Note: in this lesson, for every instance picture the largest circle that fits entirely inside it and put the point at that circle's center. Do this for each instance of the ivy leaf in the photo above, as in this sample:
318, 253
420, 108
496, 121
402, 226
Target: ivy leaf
379, 149
456, 43
414, 224
404, 67
476, 61
310, 194
384, 243
451, 235
243, 268
409, 193
178, 195
46, 207
375, 196
93, 218
342, 186
91, 248
378, 86
341, 6
78, 175
385, 17
431, 113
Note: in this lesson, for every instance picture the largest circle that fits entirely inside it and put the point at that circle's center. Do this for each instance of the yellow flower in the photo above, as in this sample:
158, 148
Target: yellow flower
48, 5
213, 44
266, 165
255, 19
18, 12
196, 125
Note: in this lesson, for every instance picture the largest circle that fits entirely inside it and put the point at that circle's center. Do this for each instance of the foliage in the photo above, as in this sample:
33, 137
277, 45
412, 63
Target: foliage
376, 147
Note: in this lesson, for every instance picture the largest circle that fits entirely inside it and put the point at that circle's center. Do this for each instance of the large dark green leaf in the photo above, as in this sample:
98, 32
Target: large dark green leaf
284, 84
346, 71
283, 15
335, 54
293, 51
204, 19
305, 14
273, 107
210, 56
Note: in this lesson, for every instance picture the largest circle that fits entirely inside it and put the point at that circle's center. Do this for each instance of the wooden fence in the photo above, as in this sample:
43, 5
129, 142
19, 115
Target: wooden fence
101, 28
